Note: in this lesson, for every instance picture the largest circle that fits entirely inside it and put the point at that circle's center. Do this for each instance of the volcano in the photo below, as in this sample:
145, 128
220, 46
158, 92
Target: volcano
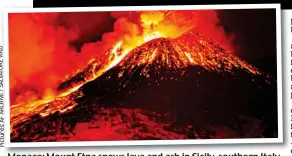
180, 88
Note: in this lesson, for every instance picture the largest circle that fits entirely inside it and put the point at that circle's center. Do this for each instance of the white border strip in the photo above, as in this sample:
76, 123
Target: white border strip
146, 142
145, 8
279, 72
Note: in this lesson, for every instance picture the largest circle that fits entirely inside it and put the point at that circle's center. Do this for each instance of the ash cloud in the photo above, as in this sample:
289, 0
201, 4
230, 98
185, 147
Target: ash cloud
47, 47
41, 51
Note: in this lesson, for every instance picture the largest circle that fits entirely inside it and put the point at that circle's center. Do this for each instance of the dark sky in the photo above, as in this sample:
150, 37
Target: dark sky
255, 31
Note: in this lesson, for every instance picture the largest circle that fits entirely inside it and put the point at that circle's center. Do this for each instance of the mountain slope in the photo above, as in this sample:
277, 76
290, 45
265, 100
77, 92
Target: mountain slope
192, 80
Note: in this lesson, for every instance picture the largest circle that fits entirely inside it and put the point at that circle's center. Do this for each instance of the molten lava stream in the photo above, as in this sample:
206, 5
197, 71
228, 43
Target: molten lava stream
115, 55
177, 47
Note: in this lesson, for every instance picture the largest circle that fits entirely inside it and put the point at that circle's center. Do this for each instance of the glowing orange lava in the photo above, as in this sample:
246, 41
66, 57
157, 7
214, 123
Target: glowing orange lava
179, 47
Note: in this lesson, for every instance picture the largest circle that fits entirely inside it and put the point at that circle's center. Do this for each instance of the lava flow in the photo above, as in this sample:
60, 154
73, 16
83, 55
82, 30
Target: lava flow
157, 41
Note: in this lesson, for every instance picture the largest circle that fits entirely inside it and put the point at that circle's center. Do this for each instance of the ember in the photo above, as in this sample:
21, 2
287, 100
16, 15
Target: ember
159, 47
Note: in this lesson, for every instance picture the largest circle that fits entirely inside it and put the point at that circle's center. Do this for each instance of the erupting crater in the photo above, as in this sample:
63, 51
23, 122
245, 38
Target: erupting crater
155, 87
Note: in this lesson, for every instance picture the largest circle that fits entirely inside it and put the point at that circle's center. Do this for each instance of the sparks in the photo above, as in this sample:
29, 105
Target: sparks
166, 44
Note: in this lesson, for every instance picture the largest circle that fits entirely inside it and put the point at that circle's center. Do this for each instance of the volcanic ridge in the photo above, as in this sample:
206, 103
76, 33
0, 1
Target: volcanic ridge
182, 88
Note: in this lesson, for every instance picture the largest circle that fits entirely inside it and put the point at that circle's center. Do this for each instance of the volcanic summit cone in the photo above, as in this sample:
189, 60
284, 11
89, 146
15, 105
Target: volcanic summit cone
142, 93
164, 55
